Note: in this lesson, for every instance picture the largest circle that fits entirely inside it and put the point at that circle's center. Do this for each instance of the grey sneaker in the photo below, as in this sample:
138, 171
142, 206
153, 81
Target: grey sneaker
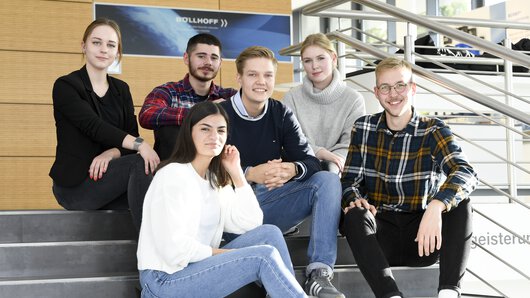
318, 284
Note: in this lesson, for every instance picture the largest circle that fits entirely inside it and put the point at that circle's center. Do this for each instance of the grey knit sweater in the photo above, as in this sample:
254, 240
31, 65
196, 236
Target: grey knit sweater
326, 116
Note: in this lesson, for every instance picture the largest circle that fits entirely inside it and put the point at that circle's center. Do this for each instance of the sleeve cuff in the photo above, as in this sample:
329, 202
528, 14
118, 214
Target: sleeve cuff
302, 170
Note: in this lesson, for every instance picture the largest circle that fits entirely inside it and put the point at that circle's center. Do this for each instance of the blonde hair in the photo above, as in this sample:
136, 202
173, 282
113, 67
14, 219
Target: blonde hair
390, 63
319, 40
254, 52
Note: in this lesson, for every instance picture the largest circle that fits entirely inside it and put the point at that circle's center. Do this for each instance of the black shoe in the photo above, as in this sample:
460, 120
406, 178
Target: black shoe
291, 232
318, 284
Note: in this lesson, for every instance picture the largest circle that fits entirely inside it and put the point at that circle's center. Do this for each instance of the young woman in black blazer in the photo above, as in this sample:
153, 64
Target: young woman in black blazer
96, 165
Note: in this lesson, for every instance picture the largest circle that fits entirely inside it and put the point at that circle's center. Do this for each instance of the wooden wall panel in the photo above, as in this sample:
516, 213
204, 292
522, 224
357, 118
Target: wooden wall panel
28, 77
87, 1
40, 41
49, 26
266, 6
25, 183
29, 130
284, 74
145, 73
146, 134
203, 4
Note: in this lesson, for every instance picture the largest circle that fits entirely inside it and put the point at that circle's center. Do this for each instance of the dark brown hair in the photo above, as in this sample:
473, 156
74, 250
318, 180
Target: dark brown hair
203, 38
185, 150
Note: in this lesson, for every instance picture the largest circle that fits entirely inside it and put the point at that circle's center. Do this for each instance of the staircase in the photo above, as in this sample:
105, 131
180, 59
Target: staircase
67, 254
93, 254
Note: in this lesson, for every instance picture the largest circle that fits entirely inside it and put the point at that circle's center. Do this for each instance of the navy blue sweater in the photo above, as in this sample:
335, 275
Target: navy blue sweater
276, 135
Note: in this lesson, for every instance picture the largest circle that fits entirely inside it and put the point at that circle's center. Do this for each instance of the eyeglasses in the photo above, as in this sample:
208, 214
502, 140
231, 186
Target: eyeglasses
399, 87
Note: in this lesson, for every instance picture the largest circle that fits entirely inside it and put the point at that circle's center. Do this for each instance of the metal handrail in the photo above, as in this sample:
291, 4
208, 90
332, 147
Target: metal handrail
377, 16
474, 60
457, 103
500, 191
502, 226
437, 79
486, 282
501, 259
493, 153
465, 107
434, 25
473, 78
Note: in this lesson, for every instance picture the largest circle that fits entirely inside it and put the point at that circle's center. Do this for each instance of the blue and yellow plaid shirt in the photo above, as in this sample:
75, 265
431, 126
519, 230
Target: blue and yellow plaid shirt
404, 171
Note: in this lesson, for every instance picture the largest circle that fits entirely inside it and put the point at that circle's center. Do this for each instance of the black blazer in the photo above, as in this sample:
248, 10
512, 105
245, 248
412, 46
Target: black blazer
81, 133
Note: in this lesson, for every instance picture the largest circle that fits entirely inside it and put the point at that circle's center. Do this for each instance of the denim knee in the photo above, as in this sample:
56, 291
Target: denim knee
328, 186
267, 252
272, 231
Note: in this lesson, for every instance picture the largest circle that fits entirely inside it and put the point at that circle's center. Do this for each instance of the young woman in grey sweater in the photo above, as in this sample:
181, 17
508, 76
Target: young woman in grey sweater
325, 106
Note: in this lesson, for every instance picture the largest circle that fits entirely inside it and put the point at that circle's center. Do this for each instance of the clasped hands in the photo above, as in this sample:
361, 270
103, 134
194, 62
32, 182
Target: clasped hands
273, 174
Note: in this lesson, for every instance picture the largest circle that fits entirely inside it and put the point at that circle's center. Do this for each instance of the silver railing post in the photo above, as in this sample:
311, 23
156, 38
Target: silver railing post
409, 42
408, 54
341, 53
510, 136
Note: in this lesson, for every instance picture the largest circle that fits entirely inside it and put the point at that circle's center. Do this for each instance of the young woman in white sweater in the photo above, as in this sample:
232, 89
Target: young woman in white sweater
325, 106
195, 196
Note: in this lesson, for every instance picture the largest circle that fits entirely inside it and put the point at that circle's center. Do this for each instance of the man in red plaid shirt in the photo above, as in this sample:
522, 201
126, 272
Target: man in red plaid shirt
166, 106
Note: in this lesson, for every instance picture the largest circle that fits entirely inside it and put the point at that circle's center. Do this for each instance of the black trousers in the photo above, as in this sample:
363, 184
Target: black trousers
388, 240
122, 187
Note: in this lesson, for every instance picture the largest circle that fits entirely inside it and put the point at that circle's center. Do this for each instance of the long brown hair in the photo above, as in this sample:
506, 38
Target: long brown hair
185, 150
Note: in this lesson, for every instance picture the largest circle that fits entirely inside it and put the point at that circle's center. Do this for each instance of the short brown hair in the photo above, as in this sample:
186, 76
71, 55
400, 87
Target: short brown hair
392, 62
105, 22
319, 40
254, 52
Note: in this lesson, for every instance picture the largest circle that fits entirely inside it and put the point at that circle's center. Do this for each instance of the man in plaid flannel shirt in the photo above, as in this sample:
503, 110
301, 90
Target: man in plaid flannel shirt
397, 206
166, 106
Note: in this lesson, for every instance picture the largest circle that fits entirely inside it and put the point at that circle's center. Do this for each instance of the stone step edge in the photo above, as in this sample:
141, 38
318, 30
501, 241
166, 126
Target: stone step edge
66, 243
121, 276
354, 267
134, 275
60, 211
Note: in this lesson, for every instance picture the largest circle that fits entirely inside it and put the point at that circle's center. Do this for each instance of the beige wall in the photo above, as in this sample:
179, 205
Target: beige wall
40, 41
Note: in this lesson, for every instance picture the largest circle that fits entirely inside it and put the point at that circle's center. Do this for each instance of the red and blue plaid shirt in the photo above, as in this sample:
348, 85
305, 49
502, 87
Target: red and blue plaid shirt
404, 171
168, 104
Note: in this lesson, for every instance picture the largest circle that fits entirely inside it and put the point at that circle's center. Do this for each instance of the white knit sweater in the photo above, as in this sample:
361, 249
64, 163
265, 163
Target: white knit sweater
169, 238
326, 116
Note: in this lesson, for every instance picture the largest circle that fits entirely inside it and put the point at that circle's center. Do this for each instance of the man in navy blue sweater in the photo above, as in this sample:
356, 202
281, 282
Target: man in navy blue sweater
282, 168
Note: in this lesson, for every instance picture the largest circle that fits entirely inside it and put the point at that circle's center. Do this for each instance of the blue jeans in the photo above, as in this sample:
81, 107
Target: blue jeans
289, 205
259, 255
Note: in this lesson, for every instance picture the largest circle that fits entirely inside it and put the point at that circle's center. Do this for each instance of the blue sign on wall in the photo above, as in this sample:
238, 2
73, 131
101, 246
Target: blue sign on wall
165, 32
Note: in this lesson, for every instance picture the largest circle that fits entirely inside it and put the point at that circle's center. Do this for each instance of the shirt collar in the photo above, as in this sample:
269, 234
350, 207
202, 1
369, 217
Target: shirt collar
411, 128
239, 107
214, 89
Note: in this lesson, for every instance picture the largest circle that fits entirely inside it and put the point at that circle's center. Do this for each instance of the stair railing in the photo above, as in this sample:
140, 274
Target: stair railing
507, 54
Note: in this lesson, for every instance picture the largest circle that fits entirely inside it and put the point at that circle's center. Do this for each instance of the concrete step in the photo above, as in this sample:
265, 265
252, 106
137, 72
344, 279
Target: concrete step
67, 258
413, 282
93, 254
61, 225
88, 286
298, 250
